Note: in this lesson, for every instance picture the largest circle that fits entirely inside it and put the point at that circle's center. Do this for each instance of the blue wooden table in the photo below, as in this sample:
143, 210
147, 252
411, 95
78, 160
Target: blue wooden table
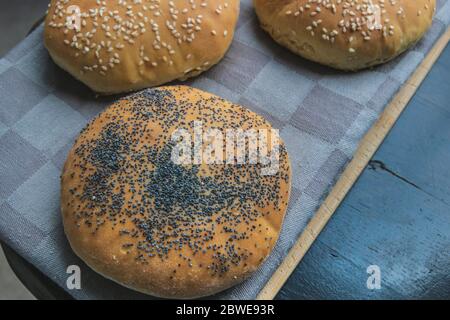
396, 217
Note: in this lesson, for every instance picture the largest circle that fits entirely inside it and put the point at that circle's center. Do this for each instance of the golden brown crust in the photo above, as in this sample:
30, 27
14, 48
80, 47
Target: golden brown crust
178, 231
124, 46
344, 34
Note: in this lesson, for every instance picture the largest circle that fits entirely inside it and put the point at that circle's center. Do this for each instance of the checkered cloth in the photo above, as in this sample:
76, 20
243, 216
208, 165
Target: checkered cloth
322, 115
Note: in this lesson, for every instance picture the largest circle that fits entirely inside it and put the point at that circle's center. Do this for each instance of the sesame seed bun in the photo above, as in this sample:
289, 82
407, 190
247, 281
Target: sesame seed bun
346, 34
161, 228
124, 46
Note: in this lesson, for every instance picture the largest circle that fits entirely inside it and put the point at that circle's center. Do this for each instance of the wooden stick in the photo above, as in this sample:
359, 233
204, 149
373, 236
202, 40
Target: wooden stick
366, 149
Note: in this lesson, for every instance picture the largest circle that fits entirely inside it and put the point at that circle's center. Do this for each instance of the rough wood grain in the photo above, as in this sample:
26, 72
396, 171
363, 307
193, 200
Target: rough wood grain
384, 221
397, 215
364, 153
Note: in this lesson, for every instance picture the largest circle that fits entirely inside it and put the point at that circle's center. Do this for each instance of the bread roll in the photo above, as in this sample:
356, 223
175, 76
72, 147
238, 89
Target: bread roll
127, 45
162, 228
346, 34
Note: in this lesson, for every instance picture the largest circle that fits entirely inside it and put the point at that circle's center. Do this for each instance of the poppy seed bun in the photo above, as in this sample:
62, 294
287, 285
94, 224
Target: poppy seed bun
125, 46
345, 34
176, 231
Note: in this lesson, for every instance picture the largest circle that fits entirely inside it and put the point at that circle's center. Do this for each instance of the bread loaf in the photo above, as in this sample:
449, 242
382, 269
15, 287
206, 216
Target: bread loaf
163, 228
119, 46
346, 34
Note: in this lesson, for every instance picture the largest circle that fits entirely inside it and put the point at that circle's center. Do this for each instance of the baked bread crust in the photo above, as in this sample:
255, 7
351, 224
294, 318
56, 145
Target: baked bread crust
345, 34
175, 231
124, 46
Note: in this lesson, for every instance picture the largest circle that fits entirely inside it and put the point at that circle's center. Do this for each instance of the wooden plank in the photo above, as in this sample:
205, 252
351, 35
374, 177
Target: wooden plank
367, 148
383, 221
396, 216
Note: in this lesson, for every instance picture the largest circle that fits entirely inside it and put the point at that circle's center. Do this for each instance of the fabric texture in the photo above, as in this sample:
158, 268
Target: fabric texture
322, 114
